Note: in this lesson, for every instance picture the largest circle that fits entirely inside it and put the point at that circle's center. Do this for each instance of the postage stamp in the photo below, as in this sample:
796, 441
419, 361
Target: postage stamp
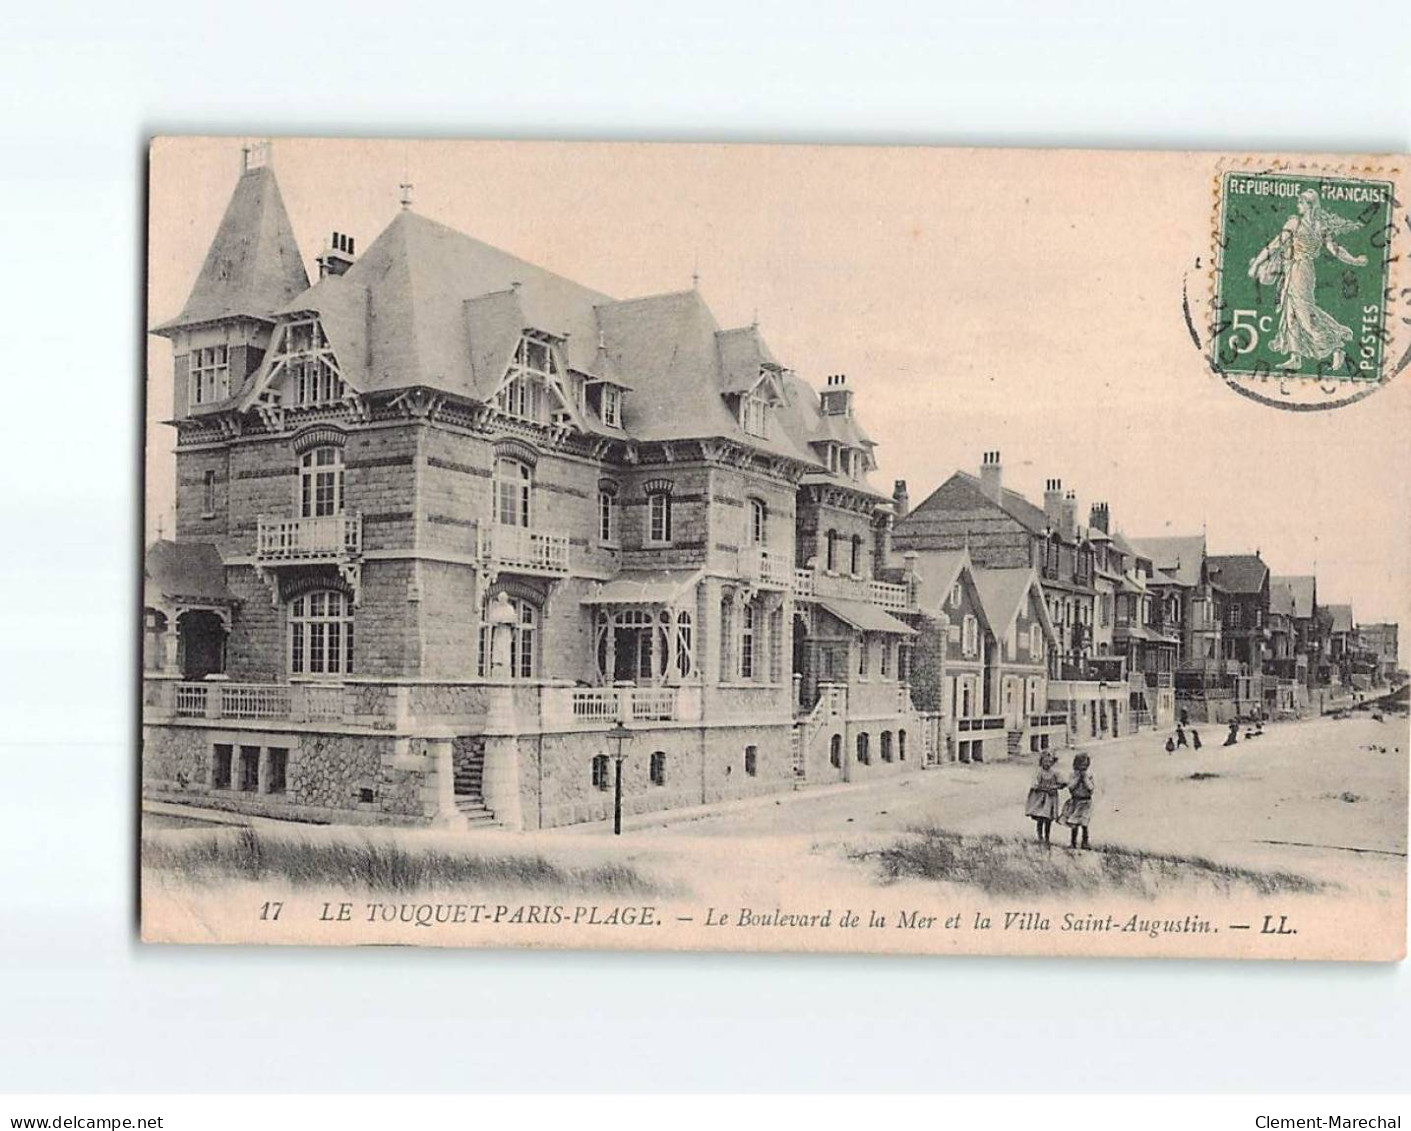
1302, 284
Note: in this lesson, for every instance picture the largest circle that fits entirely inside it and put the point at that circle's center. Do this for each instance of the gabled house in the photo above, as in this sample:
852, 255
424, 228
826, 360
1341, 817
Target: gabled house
1025, 641
444, 517
955, 666
1001, 529
1244, 580
1293, 627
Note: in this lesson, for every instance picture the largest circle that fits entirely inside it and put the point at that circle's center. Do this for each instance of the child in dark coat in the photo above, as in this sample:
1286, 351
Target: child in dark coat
1042, 804
1078, 809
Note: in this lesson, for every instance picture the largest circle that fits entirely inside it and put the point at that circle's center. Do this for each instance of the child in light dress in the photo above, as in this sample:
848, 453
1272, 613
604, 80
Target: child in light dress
1042, 804
1078, 809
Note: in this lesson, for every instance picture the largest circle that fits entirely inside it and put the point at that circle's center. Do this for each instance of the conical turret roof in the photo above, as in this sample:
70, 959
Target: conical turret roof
253, 267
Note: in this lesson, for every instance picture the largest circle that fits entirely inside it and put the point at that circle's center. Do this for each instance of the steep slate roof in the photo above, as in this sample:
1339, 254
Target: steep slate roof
1179, 556
1238, 573
1292, 596
190, 570
1339, 617
962, 488
428, 305
1003, 592
938, 570
253, 266
743, 355
404, 312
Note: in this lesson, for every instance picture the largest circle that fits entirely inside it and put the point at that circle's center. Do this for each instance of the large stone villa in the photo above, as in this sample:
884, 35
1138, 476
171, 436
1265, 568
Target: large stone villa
454, 532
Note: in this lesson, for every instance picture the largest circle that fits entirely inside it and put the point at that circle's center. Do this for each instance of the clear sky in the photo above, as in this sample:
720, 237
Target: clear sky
1025, 301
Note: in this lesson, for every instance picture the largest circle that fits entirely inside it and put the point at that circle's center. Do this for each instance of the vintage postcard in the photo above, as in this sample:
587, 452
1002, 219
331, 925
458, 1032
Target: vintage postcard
776, 548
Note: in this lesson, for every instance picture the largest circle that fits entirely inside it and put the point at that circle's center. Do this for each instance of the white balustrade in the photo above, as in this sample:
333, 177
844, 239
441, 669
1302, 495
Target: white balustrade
768, 566
524, 548
308, 539
811, 583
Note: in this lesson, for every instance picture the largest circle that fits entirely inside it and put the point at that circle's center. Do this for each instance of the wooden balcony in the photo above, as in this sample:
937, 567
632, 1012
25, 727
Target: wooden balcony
811, 584
523, 549
292, 541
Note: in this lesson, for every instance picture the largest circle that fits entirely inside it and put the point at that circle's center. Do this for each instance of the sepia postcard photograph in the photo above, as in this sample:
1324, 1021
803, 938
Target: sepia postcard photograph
775, 548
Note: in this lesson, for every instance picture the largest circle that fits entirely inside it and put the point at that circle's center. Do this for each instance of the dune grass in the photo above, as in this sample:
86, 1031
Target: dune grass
1002, 865
373, 863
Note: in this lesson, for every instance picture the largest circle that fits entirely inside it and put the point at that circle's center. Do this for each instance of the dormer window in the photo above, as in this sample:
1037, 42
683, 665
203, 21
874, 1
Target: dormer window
612, 407
754, 414
534, 370
302, 357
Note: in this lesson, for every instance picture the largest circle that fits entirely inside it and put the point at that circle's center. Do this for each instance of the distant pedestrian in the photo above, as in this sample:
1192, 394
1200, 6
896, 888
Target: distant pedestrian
1181, 736
1078, 809
1042, 804
1234, 735
1195, 738
1170, 745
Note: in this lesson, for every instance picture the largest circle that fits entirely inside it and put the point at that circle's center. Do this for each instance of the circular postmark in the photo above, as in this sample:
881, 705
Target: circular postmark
1304, 308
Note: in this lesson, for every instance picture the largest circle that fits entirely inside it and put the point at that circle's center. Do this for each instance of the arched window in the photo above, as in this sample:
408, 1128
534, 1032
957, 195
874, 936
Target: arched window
886, 746
658, 767
747, 642
758, 534
835, 752
514, 482
901, 746
524, 641
1036, 642
831, 557
321, 633
855, 559
659, 517
321, 482
864, 752
752, 760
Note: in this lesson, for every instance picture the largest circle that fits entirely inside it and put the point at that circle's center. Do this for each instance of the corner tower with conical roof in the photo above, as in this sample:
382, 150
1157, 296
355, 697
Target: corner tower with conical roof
252, 269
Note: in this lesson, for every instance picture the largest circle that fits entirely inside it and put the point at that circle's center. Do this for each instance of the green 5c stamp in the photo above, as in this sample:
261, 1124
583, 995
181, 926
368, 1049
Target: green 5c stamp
1302, 264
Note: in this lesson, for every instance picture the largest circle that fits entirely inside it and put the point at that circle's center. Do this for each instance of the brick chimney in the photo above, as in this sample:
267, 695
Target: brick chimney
1069, 526
901, 500
1053, 502
836, 398
991, 476
1099, 519
337, 256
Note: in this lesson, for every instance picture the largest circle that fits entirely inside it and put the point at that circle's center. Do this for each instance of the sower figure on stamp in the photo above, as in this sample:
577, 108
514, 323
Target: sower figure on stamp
1042, 804
1078, 809
1305, 328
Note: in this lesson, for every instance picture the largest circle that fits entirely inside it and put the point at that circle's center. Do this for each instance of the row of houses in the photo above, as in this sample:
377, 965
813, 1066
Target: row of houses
454, 534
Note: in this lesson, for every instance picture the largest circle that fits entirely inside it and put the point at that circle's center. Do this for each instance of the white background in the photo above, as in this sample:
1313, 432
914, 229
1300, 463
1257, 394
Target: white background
83, 1007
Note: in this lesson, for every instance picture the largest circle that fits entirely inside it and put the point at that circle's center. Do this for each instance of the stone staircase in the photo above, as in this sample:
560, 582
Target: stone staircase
470, 797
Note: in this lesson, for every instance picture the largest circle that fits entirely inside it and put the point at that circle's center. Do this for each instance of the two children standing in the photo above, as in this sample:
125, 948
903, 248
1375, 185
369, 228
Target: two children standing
1042, 804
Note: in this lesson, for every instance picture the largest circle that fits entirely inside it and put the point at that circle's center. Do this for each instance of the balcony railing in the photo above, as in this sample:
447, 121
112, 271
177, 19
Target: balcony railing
769, 567
606, 705
811, 583
326, 538
284, 702
524, 549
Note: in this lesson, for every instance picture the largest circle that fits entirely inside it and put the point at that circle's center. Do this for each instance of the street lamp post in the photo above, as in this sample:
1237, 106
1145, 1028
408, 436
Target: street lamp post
619, 735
